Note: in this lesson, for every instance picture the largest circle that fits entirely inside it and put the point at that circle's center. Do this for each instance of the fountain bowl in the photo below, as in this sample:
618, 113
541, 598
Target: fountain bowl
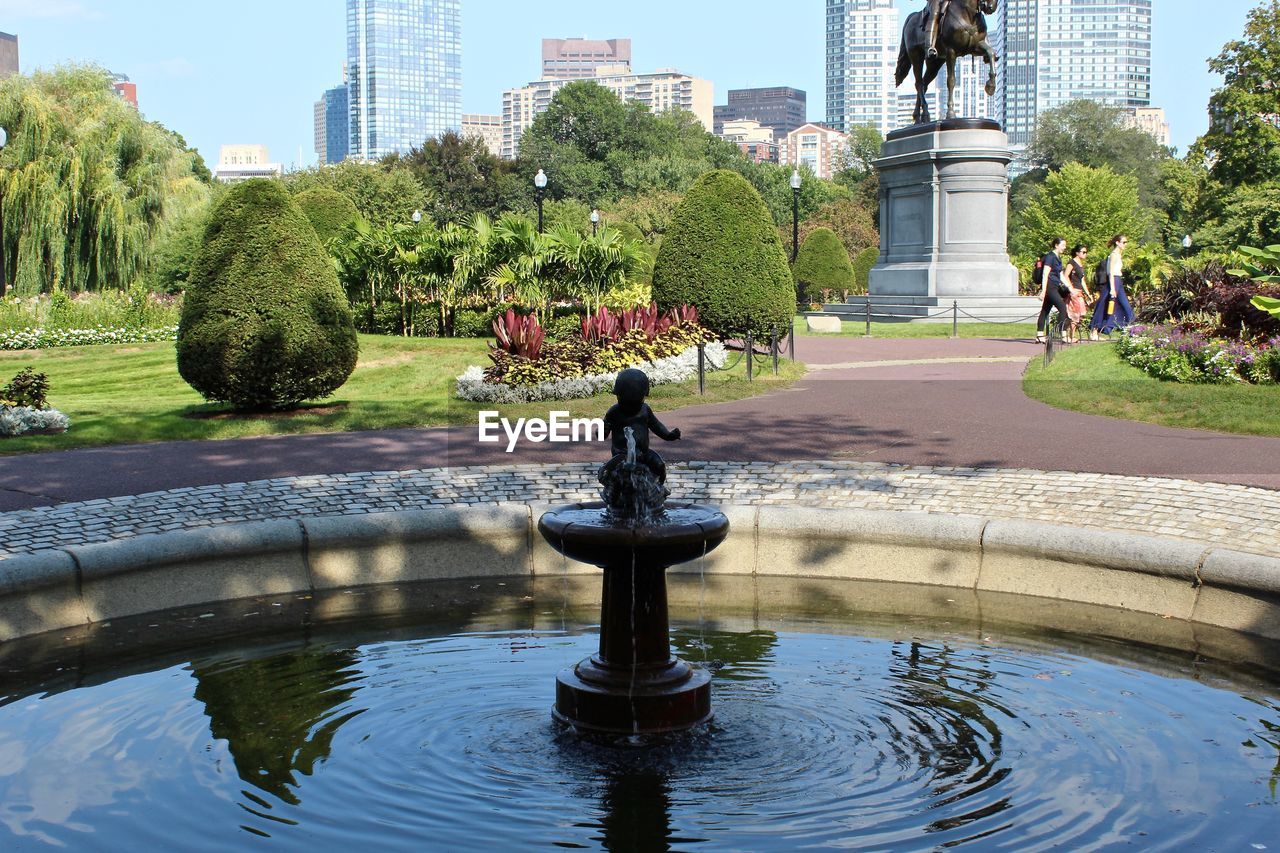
583, 533
633, 685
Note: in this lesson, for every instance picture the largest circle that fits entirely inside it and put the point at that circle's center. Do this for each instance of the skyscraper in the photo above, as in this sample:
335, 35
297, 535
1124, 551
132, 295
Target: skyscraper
333, 125
1059, 50
578, 59
8, 55
405, 63
862, 52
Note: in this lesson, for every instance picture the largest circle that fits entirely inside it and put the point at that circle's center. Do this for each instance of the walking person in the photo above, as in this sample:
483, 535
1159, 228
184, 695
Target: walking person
1113, 311
1080, 297
1053, 290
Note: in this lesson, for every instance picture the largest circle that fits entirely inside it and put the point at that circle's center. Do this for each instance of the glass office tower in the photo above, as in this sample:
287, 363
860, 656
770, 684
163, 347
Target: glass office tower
405, 63
862, 53
1059, 50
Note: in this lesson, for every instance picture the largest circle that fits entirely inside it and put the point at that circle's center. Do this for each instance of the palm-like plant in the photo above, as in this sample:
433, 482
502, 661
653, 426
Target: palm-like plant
588, 266
519, 258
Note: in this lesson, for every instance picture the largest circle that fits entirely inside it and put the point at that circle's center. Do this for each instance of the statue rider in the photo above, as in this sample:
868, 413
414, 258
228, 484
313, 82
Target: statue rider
932, 21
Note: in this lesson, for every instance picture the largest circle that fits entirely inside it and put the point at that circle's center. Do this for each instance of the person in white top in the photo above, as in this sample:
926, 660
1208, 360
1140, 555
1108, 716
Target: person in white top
1113, 311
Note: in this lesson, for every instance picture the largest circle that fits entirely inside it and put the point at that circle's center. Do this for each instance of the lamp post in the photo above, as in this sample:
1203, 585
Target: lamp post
4, 276
795, 214
595, 221
1186, 245
539, 189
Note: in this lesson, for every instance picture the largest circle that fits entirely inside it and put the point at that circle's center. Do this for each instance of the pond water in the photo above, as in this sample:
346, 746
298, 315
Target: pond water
432, 729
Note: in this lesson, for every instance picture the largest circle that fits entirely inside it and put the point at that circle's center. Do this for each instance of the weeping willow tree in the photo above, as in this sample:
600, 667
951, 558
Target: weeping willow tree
86, 184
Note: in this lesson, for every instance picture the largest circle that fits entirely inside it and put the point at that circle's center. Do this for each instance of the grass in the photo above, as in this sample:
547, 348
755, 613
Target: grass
922, 330
133, 394
1093, 379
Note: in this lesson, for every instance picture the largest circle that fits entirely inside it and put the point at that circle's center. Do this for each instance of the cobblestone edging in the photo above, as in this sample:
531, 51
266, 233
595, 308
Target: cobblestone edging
1239, 517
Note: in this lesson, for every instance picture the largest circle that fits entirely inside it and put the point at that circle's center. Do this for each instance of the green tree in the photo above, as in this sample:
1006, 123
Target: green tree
822, 266
848, 218
461, 174
87, 185
722, 254
1095, 135
382, 194
330, 212
264, 322
1249, 215
651, 212
1082, 205
773, 182
1243, 142
865, 143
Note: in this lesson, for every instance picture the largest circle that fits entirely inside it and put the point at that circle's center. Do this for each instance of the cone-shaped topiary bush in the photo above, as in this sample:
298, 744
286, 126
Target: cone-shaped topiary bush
722, 254
330, 211
862, 265
823, 265
265, 324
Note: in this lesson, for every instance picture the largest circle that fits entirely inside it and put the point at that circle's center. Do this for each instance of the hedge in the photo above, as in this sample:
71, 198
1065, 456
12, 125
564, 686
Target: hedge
823, 264
722, 254
330, 212
265, 324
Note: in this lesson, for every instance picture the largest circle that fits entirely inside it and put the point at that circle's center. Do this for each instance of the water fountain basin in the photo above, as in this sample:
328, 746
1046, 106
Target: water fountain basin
633, 685
685, 533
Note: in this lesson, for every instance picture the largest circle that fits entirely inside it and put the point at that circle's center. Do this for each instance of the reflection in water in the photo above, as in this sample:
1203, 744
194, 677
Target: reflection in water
735, 656
821, 740
276, 713
637, 812
951, 730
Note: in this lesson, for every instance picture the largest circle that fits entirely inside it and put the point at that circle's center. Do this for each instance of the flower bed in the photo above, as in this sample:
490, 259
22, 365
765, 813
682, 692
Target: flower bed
527, 368
1169, 352
17, 420
475, 386
42, 338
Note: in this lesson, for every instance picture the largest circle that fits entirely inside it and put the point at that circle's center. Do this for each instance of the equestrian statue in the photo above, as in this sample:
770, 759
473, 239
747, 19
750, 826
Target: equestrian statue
940, 34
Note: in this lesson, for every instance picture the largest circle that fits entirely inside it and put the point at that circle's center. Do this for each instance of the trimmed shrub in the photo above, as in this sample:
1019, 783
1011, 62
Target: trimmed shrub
265, 324
330, 212
862, 265
723, 255
822, 266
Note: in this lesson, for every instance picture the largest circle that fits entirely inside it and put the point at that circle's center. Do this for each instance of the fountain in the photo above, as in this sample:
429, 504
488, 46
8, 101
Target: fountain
634, 685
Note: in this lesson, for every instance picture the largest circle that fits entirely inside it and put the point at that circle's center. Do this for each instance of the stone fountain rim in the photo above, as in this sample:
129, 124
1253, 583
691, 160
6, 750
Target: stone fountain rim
81, 585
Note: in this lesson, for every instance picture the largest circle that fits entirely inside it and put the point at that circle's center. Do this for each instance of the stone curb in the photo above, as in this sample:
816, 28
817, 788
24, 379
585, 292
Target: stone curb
91, 583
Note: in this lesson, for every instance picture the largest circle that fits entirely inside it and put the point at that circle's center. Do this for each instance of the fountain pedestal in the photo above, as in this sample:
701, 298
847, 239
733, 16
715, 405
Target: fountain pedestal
634, 685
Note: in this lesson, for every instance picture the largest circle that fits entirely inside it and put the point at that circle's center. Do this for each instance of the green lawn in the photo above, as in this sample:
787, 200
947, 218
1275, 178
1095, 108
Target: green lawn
922, 330
133, 394
1093, 379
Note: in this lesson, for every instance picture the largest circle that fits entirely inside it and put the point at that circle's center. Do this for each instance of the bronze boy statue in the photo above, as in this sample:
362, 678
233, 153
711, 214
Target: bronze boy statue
625, 494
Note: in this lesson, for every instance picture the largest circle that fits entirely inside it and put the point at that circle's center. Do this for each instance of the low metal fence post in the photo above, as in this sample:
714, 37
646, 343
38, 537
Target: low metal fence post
750, 351
773, 350
702, 369
868, 332
955, 318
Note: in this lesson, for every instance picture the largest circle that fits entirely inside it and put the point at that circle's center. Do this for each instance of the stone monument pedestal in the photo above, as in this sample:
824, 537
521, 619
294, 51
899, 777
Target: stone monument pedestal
944, 208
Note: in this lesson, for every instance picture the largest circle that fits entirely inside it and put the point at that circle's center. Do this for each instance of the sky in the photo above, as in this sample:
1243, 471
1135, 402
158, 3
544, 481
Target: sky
249, 71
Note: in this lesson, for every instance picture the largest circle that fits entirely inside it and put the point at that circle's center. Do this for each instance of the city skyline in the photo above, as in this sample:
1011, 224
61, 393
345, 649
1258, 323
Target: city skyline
193, 85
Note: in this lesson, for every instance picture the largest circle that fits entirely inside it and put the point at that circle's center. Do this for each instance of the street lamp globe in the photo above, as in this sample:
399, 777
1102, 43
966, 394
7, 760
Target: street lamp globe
795, 179
595, 217
417, 217
540, 180
1186, 242
4, 137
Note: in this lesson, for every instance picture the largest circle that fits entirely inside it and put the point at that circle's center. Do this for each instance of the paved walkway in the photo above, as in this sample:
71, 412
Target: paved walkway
1239, 517
933, 425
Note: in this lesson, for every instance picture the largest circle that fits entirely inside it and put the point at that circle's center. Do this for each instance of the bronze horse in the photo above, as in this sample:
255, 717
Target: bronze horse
963, 33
